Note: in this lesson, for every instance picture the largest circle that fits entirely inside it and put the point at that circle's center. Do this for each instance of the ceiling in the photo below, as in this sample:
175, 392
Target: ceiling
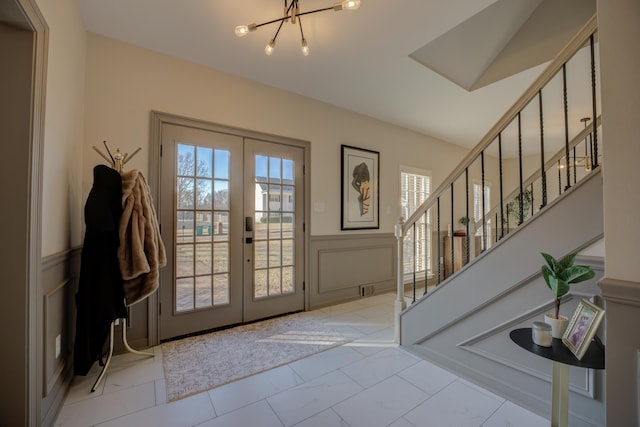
445, 68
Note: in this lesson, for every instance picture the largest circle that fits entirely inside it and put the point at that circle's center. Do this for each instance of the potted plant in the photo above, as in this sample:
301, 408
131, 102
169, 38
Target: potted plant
513, 207
559, 275
464, 220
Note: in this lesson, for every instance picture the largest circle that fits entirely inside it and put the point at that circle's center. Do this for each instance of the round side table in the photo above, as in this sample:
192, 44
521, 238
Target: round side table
562, 358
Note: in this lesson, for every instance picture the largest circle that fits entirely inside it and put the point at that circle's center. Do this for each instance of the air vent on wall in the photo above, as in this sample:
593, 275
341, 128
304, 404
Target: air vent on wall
366, 290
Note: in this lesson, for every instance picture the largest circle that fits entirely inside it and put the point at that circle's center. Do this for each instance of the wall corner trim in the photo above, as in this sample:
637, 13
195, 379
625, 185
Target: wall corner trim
620, 291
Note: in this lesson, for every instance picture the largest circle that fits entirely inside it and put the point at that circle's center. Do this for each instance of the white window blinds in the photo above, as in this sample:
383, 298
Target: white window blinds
415, 186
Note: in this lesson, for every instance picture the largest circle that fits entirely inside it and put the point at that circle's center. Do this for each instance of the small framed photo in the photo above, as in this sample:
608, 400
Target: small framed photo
360, 206
582, 328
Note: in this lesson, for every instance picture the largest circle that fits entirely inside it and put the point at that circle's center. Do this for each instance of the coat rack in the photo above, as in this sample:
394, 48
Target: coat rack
116, 161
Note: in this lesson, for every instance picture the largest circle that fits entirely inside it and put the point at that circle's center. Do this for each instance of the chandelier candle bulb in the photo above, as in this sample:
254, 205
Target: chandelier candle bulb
243, 30
269, 48
541, 334
347, 4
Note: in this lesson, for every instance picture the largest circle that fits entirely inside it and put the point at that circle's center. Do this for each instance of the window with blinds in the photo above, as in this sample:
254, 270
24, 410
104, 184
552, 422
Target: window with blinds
415, 186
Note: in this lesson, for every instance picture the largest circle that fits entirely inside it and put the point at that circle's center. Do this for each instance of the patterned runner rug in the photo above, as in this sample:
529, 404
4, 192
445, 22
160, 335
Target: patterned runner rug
199, 363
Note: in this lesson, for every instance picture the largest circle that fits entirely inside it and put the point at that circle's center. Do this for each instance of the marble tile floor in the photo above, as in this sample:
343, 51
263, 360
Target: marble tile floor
368, 382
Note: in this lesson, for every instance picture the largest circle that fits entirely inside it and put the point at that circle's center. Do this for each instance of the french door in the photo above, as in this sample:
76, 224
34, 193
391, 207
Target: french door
232, 222
273, 242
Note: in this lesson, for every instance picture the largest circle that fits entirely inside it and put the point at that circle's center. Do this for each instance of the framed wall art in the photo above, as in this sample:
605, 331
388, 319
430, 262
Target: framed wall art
582, 328
360, 207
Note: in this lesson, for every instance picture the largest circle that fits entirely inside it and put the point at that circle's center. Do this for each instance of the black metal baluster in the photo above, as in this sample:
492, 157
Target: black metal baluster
587, 158
501, 186
559, 179
521, 195
588, 147
543, 174
575, 167
467, 238
439, 243
453, 260
426, 251
589, 143
566, 125
591, 149
594, 157
531, 192
414, 262
484, 221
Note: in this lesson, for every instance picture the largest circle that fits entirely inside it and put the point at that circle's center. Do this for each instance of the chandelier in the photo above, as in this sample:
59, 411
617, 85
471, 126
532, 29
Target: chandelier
292, 13
588, 161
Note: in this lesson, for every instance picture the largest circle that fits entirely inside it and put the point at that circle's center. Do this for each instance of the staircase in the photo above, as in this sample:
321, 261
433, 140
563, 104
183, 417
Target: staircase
464, 326
541, 159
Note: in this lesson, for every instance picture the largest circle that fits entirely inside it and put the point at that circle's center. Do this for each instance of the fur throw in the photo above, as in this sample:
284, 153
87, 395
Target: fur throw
141, 252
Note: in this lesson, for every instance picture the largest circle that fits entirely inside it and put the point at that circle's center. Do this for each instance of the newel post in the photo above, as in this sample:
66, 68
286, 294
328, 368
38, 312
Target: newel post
400, 304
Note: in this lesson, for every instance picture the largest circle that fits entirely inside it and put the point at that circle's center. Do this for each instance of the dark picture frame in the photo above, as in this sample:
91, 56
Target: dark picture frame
360, 205
582, 328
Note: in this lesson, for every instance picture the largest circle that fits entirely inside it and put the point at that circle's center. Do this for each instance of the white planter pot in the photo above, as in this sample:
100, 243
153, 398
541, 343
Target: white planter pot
558, 326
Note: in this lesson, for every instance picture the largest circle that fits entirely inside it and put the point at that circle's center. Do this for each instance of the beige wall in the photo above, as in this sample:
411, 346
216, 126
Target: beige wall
61, 198
124, 83
620, 64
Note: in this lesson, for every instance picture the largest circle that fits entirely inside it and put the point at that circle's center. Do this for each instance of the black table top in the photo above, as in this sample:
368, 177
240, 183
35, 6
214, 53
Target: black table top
558, 352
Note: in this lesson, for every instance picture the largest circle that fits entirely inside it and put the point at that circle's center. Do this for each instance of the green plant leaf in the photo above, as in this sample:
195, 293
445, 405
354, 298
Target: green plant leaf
563, 288
577, 273
553, 285
567, 260
558, 287
546, 274
551, 262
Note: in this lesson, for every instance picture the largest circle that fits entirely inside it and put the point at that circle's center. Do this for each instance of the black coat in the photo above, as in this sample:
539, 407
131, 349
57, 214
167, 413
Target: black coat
100, 296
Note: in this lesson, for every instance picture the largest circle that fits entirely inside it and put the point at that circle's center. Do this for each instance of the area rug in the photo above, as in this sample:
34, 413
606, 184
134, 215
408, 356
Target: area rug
199, 363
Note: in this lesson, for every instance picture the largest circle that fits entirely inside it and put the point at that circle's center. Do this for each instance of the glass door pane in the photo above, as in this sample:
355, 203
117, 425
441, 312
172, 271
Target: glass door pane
202, 224
274, 246
202, 192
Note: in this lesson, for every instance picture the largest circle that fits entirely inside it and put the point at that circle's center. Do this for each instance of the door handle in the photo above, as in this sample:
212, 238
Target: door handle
248, 230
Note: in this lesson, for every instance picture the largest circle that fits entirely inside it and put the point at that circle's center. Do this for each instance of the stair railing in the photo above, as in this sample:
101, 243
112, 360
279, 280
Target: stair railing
541, 147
